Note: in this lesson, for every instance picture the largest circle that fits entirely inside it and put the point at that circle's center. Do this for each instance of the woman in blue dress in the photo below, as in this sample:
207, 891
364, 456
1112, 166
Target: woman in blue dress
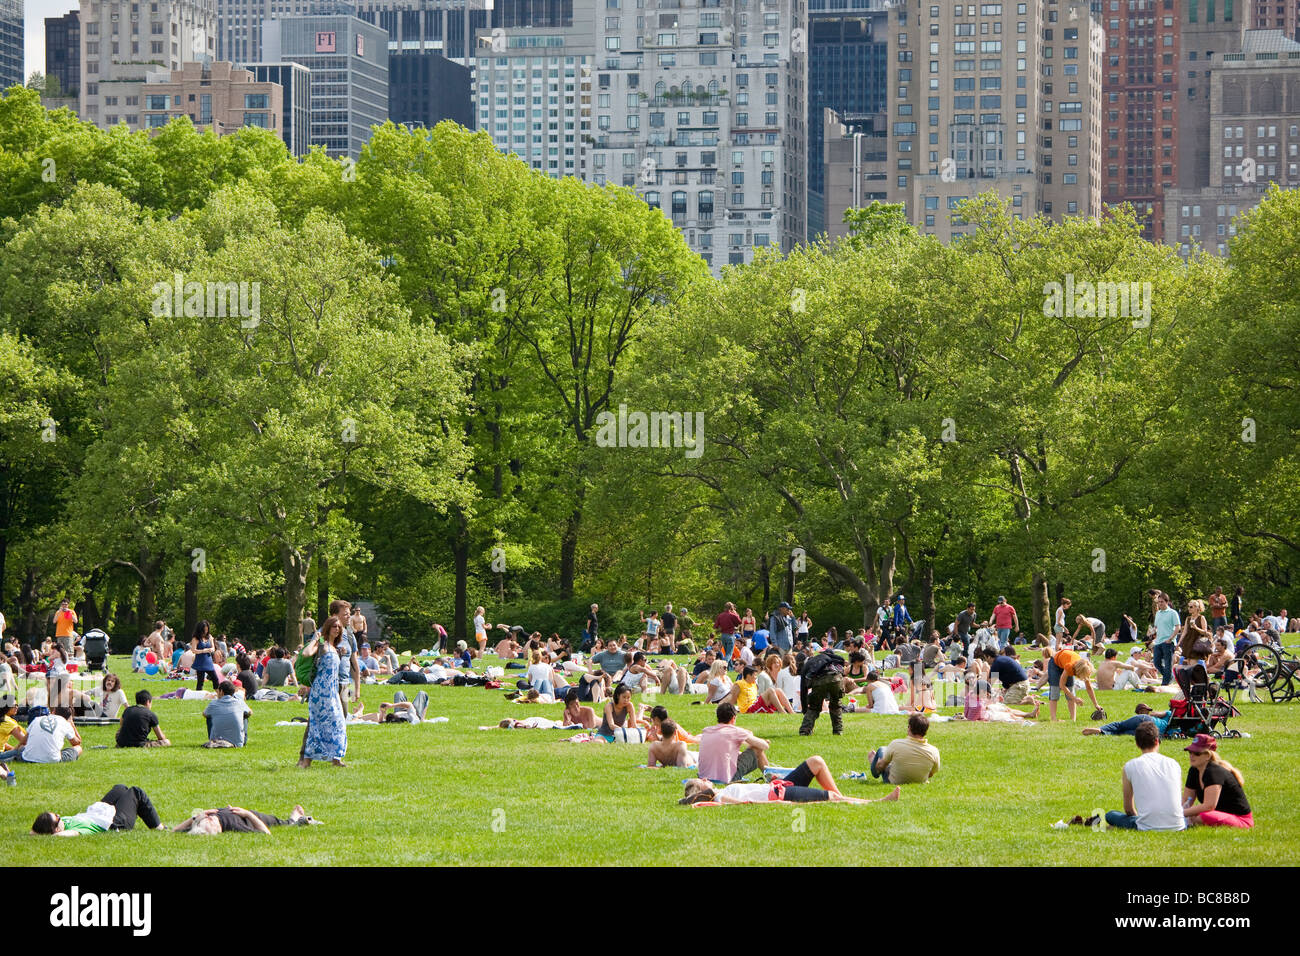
327, 735
201, 646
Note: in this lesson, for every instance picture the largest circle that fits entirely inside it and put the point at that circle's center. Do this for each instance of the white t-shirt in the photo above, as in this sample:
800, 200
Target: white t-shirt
745, 793
480, 629
883, 700
1157, 783
788, 684
114, 703
746, 655
537, 673
45, 739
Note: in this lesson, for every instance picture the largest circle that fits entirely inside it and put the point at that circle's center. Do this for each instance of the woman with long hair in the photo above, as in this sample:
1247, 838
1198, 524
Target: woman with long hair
326, 737
1214, 788
201, 647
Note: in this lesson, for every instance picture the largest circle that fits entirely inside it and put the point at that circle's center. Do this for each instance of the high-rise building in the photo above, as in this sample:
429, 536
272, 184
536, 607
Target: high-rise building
702, 109
1140, 121
215, 96
425, 88
11, 44
847, 66
1273, 15
348, 60
1209, 30
855, 166
533, 92
63, 51
122, 41
1001, 97
294, 81
1254, 137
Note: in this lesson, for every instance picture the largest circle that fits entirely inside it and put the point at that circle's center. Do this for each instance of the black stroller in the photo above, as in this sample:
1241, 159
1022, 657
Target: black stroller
95, 644
1203, 708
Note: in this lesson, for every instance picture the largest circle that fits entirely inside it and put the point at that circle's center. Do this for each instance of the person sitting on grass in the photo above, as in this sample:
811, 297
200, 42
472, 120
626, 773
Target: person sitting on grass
673, 677
400, 711
138, 722
1151, 787
239, 820
620, 714
910, 759
1114, 674
794, 787
1142, 714
1213, 795
46, 736
670, 751
227, 718
1062, 668
117, 810
766, 685
721, 759
9, 727
575, 714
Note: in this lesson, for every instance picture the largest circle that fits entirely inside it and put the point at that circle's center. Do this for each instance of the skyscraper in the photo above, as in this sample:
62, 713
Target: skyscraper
1001, 97
295, 82
11, 43
848, 54
425, 88
348, 60
63, 51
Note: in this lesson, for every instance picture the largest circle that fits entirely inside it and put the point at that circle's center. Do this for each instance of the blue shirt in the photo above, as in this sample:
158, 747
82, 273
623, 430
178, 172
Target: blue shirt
901, 616
760, 640
1167, 622
1008, 669
347, 647
227, 716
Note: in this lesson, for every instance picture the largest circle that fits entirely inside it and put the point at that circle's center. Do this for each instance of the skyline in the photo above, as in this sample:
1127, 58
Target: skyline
34, 14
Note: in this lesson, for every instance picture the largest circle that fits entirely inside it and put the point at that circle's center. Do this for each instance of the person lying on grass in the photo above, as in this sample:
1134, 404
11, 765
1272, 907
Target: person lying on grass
575, 714
1141, 714
400, 711
116, 810
794, 787
239, 820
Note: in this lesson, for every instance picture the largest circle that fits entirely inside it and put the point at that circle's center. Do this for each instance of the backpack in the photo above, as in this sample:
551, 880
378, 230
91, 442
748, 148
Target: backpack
824, 664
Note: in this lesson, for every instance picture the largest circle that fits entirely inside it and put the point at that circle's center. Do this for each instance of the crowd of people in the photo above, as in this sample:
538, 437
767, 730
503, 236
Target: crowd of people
741, 665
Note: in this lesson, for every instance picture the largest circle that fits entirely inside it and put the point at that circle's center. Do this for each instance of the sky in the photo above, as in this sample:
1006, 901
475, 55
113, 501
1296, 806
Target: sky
34, 31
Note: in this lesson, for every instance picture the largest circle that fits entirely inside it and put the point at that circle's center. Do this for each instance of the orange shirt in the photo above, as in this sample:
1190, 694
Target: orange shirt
1066, 660
63, 621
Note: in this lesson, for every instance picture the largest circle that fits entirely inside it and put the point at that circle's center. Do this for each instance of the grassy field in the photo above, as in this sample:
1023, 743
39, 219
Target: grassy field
448, 793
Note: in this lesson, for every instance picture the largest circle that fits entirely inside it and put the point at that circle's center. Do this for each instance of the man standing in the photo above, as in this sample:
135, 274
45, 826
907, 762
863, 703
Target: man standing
1162, 648
593, 626
1218, 602
669, 621
780, 630
349, 669
1005, 620
822, 679
65, 619
965, 620
899, 617
727, 624
1152, 787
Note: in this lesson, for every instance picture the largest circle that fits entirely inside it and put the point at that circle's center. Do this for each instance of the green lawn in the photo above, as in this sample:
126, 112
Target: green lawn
452, 794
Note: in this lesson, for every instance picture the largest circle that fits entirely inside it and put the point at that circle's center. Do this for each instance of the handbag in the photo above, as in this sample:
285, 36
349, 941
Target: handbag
304, 669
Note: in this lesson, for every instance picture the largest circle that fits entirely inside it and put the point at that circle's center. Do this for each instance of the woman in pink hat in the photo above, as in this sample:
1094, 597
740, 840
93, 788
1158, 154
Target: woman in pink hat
1214, 788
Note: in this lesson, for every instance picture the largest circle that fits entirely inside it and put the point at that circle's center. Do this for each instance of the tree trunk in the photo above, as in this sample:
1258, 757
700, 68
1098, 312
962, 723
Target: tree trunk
460, 555
789, 582
927, 595
1041, 607
147, 601
191, 601
765, 575
322, 587
569, 551
295, 594
31, 631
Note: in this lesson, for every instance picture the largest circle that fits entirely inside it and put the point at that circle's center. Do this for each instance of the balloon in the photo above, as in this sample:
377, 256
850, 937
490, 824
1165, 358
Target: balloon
151, 669
151, 658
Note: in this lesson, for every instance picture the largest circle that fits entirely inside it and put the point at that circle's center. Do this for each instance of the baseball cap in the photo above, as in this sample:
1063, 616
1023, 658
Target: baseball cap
365, 645
1201, 744
785, 605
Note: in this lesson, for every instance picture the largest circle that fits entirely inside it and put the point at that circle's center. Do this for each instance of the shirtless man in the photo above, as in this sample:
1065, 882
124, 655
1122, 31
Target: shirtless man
668, 751
1114, 674
575, 713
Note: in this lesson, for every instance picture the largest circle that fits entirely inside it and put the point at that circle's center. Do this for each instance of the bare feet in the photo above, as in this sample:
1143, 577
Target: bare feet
304, 763
898, 791
1091, 731
338, 763
1038, 705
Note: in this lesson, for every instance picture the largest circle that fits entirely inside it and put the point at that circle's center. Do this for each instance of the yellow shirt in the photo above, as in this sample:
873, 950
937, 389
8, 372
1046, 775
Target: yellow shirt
7, 725
746, 695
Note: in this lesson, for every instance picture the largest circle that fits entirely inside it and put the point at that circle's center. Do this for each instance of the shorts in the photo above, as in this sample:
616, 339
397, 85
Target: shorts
761, 707
746, 764
1017, 693
1054, 674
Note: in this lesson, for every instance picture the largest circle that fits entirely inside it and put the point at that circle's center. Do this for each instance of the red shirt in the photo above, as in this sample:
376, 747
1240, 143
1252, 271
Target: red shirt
1003, 614
728, 622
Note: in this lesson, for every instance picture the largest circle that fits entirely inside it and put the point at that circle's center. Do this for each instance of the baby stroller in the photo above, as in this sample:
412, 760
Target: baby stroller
96, 647
1202, 708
